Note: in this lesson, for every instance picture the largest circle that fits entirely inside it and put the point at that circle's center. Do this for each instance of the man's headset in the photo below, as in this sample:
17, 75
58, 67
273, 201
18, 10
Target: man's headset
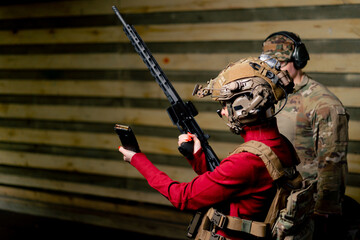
300, 55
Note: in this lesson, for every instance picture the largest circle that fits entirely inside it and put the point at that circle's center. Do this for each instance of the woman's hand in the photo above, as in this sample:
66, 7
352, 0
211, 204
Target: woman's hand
187, 138
127, 154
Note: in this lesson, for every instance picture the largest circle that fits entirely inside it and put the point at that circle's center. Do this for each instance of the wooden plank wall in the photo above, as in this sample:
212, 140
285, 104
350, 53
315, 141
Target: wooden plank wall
68, 74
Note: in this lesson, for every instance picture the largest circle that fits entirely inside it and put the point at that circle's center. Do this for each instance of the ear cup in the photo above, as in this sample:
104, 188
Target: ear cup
240, 106
300, 56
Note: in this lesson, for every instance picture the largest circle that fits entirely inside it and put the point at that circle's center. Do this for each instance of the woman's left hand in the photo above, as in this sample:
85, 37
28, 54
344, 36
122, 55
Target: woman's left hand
127, 154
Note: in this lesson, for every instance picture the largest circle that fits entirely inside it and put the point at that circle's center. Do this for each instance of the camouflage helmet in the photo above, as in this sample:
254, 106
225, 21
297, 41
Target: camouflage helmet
249, 88
279, 46
288, 47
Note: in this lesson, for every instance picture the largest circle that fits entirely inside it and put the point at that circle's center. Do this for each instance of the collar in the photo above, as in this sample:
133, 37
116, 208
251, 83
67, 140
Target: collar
303, 83
264, 131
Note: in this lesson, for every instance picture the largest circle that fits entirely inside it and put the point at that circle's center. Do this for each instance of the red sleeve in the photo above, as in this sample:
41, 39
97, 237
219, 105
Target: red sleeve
232, 177
199, 162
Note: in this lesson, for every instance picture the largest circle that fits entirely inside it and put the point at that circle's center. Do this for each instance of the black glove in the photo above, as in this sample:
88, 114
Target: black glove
187, 149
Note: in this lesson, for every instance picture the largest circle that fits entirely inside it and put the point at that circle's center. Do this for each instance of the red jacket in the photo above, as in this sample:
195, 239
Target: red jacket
241, 180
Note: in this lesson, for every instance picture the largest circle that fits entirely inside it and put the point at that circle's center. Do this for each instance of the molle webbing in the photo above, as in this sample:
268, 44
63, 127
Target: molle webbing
271, 161
221, 221
258, 229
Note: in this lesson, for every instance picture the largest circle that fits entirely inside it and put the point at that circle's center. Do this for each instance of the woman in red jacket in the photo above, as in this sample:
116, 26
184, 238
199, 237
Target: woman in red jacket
247, 90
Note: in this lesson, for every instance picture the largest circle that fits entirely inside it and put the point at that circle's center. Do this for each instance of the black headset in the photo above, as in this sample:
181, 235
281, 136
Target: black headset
300, 55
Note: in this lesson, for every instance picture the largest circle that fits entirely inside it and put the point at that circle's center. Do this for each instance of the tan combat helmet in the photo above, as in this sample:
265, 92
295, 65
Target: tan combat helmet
249, 88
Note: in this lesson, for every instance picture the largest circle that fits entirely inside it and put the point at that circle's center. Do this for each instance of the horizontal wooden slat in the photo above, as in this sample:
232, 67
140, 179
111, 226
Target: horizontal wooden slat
308, 29
330, 63
118, 61
317, 46
80, 188
101, 88
349, 96
92, 153
152, 212
87, 165
77, 139
353, 162
109, 167
190, 76
161, 221
353, 192
147, 144
354, 130
154, 117
129, 89
93, 7
64, 35
42, 220
180, 17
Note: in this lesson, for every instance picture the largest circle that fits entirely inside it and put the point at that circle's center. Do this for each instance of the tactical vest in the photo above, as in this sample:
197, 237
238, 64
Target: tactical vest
289, 214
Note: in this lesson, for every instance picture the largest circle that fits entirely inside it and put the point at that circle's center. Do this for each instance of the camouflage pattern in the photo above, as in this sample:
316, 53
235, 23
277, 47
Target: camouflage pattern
294, 221
279, 46
316, 122
304, 233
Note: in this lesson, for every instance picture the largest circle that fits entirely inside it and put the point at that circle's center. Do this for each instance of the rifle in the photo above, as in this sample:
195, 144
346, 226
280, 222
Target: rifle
181, 114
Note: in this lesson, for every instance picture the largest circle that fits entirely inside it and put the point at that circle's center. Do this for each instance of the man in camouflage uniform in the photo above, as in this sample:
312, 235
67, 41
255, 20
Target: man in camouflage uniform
316, 122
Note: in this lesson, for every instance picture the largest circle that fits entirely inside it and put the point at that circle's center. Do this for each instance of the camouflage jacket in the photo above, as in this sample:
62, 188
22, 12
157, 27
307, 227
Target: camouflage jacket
316, 122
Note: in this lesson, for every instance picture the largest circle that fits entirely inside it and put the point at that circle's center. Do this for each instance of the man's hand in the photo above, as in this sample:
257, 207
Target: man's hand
127, 154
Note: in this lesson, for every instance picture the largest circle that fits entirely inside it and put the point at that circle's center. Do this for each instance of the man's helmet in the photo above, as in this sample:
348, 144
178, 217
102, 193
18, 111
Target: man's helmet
286, 46
249, 88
